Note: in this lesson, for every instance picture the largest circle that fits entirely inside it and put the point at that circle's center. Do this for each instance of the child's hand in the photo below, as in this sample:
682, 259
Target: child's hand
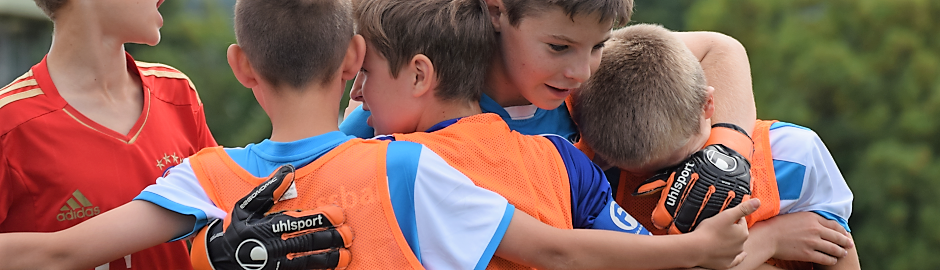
806, 236
309, 239
723, 236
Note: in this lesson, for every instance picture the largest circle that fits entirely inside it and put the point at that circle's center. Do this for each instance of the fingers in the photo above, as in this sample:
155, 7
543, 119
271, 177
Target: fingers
836, 233
321, 259
264, 196
821, 258
733, 215
738, 259
831, 249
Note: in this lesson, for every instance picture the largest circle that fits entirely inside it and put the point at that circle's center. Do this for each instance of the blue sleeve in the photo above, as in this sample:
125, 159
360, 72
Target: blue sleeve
355, 124
592, 206
590, 190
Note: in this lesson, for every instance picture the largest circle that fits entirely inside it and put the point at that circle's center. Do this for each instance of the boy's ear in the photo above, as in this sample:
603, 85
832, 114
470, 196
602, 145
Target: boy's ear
709, 102
241, 67
496, 10
355, 54
425, 78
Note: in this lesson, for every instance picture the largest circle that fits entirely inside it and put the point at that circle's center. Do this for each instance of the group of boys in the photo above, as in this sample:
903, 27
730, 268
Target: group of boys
465, 189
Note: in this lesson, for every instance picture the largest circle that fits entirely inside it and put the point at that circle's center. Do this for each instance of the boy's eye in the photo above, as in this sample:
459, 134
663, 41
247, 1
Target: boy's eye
598, 46
557, 48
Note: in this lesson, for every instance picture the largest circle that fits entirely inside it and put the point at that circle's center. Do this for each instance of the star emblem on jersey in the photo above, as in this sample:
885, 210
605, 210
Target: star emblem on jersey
721, 161
168, 160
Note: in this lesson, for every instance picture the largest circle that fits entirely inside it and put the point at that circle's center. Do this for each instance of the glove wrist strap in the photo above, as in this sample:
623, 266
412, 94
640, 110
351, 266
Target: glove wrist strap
199, 254
731, 136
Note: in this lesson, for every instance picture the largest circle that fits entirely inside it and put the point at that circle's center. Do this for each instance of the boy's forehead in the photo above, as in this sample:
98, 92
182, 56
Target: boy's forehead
555, 23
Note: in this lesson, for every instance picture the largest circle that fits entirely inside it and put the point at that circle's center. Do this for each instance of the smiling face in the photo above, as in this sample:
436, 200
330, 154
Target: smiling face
546, 56
133, 21
394, 109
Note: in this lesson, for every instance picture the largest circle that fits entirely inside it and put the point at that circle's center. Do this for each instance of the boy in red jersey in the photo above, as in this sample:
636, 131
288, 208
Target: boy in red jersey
648, 109
88, 128
296, 64
435, 85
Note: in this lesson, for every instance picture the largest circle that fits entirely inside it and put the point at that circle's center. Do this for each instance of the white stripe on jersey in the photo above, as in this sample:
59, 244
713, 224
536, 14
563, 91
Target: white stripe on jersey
823, 188
453, 233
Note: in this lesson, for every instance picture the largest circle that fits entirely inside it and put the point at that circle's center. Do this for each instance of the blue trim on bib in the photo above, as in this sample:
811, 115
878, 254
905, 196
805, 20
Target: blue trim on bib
402, 169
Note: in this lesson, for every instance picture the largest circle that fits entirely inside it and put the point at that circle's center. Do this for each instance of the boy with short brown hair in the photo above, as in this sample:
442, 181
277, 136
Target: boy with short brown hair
648, 108
398, 188
408, 66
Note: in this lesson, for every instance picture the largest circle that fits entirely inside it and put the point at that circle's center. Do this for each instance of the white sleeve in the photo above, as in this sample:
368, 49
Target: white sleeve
179, 191
459, 224
807, 176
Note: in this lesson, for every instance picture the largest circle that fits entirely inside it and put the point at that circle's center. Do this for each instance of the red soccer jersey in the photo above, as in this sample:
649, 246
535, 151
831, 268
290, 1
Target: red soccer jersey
59, 168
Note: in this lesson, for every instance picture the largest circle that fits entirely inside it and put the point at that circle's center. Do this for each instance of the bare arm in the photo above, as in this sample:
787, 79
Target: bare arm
802, 236
131, 227
717, 243
727, 69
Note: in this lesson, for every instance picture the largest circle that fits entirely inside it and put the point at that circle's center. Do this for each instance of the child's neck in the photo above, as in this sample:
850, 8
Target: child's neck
82, 55
297, 115
442, 111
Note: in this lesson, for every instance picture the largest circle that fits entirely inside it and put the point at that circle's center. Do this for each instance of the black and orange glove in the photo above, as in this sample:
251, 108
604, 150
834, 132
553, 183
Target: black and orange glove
252, 239
711, 180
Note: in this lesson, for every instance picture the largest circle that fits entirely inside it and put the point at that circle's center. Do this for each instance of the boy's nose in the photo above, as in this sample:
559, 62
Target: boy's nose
579, 71
355, 93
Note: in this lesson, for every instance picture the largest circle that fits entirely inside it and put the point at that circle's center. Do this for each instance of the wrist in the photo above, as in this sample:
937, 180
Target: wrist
694, 252
761, 242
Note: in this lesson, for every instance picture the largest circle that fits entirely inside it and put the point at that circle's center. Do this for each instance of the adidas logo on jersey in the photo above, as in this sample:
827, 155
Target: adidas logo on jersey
77, 207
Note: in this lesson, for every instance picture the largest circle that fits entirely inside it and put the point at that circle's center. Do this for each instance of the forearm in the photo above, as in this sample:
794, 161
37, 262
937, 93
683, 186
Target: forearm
727, 69
526, 242
30, 251
759, 248
121, 231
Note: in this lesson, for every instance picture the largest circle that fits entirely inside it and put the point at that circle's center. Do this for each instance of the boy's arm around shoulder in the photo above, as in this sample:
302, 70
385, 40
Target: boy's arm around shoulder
727, 69
713, 245
129, 228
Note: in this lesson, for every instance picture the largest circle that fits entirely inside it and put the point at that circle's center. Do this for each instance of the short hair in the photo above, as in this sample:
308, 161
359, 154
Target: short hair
456, 35
645, 100
617, 10
50, 6
294, 41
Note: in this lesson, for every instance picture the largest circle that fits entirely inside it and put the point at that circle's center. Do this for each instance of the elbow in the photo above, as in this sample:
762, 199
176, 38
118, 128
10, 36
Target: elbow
724, 45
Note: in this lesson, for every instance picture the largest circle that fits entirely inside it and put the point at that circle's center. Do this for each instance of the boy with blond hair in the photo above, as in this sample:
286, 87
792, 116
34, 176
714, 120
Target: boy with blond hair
648, 108
428, 75
398, 189
88, 127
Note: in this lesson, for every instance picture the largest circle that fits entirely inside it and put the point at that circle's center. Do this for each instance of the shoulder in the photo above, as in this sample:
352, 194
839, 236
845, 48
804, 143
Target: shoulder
793, 143
22, 100
168, 83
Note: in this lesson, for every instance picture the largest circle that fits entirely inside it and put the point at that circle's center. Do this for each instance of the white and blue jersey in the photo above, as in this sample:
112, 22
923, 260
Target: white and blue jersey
807, 176
592, 204
459, 235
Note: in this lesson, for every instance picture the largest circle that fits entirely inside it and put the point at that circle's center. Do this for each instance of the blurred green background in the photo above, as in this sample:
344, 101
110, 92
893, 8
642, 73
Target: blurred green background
862, 73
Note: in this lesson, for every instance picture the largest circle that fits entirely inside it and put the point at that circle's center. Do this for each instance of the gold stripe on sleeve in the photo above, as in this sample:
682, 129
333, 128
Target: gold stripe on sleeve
24, 76
18, 96
18, 85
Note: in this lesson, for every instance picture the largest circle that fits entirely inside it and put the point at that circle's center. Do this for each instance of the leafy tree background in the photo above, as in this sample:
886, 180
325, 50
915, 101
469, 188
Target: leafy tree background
862, 73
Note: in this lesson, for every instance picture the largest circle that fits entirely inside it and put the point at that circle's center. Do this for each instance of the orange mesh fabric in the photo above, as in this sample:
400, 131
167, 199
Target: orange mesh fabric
526, 170
362, 192
763, 179
763, 186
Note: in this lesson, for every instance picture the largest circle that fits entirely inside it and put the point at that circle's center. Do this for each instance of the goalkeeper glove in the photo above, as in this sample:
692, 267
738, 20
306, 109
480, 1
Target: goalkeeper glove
310, 239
